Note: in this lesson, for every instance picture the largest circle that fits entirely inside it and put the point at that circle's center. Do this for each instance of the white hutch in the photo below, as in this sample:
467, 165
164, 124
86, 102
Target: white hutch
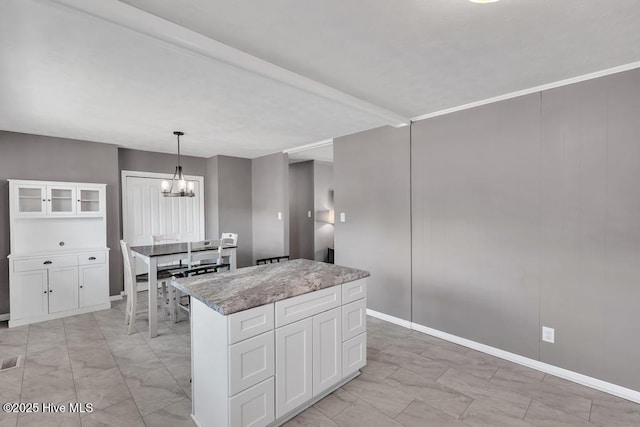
59, 261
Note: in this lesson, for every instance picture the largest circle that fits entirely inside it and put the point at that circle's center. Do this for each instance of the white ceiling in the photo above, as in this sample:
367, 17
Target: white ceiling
103, 77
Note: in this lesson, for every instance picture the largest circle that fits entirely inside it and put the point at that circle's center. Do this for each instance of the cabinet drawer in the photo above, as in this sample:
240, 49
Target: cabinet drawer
303, 306
354, 354
249, 323
354, 319
253, 407
250, 362
45, 262
354, 291
90, 258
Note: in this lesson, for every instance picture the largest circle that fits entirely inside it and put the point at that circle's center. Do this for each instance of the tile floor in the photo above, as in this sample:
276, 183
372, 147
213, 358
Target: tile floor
411, 379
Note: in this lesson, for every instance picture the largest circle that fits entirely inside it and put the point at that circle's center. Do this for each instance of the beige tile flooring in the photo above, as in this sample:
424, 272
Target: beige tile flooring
411, 379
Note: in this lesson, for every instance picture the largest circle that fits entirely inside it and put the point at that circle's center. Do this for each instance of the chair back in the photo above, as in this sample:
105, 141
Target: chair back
229, 239
194, 249
164, 238
272, 260
129, 274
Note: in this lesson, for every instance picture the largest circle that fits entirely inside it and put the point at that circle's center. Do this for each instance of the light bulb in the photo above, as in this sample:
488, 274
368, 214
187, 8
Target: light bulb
164, 186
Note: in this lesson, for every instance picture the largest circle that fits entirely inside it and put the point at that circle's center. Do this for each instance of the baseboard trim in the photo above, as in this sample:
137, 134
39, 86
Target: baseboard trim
391, 319
4, 317
604, 386
115, 297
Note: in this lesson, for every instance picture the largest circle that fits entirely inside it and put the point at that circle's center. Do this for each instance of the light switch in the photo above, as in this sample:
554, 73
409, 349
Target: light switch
343, 217
279, 216
308, 214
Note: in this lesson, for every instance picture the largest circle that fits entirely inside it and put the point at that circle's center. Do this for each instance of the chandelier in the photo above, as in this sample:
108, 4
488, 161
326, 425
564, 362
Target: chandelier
178, 187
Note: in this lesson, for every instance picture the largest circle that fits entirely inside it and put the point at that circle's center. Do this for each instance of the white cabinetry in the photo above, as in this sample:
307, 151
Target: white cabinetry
294, 362
279, 359
59, 259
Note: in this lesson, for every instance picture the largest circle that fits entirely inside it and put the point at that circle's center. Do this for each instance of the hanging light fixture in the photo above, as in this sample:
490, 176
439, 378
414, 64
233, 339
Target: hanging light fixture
179, 187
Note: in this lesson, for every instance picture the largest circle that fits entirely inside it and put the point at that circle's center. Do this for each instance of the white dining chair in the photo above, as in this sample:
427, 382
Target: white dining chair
229, 238
130, 288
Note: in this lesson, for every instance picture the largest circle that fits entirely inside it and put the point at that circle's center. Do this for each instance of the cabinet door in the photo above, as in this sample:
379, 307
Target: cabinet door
61, 200
89, 201
252, 407
30, 200
354, 354
63, 289
327, 350
294, 376
29, 294
94, 286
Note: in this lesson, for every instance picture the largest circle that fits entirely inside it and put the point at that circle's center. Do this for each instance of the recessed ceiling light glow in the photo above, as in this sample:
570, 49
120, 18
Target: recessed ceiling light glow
483, 1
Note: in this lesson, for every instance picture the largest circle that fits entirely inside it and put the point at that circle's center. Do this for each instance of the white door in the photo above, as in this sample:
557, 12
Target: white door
94, 288
29, 294
294, 376
327, 350
63, 289
146, 212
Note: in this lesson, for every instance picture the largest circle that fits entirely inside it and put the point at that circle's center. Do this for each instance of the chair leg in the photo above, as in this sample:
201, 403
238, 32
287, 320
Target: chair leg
173, 307
133, 308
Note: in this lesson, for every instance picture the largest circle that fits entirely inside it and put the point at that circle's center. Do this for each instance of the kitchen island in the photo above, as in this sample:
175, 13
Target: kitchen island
269, 341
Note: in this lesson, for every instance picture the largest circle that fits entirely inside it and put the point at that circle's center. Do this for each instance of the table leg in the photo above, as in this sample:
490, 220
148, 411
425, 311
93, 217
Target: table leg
153, 297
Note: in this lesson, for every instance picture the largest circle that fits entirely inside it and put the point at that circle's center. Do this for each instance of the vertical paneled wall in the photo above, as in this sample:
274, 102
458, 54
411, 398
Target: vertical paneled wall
525, 213
475, 195
371, 174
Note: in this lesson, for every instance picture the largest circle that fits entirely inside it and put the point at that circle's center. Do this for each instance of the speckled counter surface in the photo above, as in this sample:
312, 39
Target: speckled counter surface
232, 291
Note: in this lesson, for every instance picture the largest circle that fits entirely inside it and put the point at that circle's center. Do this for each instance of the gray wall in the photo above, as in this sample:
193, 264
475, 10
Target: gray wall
211, 205
590, 227
372, 186
323, 202
524, 213
475, 211
301, 201
25, 156
234, 206
270, 195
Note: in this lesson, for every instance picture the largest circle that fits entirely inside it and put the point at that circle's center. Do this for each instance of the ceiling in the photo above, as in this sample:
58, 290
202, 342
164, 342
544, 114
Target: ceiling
292, 72
323, 153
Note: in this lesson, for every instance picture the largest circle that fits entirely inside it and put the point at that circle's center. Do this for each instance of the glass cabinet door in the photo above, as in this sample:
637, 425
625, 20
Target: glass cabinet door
31, 200
61, 200
89, 201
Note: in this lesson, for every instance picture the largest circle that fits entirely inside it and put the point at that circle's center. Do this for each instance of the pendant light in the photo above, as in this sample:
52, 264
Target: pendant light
179, 187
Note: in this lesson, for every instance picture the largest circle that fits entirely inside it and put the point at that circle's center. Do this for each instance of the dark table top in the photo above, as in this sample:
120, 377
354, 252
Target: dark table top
171, 249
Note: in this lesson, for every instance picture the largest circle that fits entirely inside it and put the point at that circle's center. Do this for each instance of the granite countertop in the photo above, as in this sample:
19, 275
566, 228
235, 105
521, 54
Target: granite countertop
244, 288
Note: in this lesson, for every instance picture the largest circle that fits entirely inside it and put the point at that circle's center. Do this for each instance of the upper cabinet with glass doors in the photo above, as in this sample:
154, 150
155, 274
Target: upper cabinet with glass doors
43, 199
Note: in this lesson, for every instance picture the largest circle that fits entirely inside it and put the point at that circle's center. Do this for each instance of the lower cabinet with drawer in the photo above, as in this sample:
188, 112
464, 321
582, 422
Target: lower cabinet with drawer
49, 287
279, 358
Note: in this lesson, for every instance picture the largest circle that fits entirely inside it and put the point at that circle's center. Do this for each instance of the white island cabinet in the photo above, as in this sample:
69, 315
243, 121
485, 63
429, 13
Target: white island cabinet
262, 366
58, 264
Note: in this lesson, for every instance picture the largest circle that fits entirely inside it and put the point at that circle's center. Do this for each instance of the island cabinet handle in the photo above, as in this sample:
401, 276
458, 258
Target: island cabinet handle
50, 291
81, 286
92, 258
47, 262
45, 292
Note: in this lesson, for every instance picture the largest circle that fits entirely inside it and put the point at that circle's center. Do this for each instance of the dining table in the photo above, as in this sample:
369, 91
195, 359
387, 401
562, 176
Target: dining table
155, 255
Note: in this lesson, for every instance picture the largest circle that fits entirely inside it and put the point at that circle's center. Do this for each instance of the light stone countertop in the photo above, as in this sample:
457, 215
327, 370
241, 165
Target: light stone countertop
232, 291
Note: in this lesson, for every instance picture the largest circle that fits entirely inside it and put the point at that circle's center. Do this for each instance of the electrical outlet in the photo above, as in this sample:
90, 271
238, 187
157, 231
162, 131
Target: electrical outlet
279, 216
548, 334
343, 217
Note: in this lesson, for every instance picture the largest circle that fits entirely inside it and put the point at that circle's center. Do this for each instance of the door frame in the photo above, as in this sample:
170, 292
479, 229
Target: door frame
139, 174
